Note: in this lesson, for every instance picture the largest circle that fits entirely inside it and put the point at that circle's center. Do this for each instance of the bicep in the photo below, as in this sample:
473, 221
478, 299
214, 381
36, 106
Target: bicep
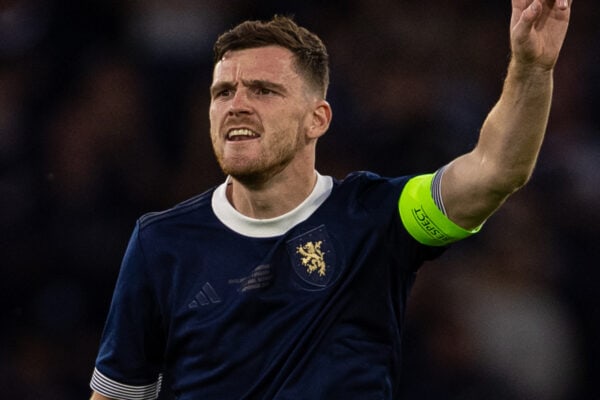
470, 190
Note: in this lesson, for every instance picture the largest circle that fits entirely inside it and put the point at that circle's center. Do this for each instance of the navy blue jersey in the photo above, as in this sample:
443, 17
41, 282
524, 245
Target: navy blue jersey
304, 306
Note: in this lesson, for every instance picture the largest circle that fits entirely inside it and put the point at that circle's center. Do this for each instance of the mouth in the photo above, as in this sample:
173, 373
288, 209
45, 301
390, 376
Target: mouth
241, 134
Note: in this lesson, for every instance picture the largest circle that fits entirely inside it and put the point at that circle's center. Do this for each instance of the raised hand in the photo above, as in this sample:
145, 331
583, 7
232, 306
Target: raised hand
537, 31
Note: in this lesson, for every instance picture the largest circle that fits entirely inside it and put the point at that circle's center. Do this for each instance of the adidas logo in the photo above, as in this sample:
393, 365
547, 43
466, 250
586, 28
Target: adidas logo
207, 295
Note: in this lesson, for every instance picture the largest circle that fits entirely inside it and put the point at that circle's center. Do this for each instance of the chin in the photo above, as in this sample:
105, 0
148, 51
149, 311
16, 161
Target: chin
253, 176
242, 172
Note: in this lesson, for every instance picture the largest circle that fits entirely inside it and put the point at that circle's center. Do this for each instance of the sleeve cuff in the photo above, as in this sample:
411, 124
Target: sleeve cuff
115, 390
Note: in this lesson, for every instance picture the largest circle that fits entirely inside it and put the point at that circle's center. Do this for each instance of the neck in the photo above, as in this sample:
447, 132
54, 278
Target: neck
279, 195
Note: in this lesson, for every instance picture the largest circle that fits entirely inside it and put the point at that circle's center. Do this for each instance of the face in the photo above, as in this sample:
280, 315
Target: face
260, 113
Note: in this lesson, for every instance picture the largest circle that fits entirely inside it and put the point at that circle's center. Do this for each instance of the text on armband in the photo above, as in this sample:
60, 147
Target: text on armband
428, 225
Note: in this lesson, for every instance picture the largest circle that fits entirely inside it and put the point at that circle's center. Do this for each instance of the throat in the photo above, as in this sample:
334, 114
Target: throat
267, 201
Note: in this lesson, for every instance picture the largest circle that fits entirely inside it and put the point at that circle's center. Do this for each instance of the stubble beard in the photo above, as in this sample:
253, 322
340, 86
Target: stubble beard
254, 173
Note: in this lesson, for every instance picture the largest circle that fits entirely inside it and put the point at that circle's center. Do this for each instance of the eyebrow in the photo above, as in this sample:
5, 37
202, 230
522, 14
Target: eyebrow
264, 83
252, 83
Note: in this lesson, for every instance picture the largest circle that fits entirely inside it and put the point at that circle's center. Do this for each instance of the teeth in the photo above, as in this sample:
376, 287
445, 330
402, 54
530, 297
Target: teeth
236, 133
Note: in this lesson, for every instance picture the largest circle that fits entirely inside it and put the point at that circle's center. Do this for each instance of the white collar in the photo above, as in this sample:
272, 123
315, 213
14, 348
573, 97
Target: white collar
269, 227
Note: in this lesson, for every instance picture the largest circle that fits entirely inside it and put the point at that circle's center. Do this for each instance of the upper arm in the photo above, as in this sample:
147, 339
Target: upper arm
423, 215
472, 189
130, 354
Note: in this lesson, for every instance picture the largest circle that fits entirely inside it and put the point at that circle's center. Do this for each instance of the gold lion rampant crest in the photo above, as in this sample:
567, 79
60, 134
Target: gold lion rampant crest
313, 257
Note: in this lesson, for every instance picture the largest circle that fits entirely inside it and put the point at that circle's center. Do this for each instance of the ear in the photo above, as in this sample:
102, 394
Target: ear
321, 118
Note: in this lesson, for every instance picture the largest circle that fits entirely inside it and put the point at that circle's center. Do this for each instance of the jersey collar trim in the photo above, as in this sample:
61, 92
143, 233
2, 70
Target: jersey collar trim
270, 227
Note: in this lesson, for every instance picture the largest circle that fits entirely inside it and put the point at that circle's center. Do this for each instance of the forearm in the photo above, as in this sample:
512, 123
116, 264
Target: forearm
512, 134
477, 183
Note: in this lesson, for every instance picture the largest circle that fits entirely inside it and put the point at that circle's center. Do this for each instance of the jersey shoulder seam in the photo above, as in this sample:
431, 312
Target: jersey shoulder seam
184, 207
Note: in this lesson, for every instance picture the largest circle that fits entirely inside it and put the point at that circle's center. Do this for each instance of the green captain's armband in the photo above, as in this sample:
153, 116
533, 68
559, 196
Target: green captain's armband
423, 219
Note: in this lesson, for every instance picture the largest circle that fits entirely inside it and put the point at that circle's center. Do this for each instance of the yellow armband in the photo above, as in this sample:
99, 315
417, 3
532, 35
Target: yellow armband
423, 219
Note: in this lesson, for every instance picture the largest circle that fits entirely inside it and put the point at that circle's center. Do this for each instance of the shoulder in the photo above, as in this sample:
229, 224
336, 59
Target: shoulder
369, 179
368, 186
191, 209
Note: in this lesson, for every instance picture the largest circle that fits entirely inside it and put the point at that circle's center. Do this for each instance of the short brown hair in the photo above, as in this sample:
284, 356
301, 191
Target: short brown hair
309, 51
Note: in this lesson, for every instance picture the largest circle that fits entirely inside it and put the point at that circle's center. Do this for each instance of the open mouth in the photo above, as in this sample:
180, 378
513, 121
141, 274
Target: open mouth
236, 135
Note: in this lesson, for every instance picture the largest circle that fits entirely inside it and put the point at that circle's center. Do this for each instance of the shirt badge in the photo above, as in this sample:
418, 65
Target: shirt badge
313, 257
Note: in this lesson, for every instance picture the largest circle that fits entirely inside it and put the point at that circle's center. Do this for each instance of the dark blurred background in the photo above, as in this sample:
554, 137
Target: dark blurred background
103, 117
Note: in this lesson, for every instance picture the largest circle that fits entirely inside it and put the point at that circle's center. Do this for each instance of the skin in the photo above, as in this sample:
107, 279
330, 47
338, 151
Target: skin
261, 90
273, 171
477, 183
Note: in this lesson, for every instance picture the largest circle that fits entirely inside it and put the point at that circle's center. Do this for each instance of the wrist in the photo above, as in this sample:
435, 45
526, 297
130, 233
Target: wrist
529, 69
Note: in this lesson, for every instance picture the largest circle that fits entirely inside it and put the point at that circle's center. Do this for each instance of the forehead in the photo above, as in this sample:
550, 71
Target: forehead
269, 63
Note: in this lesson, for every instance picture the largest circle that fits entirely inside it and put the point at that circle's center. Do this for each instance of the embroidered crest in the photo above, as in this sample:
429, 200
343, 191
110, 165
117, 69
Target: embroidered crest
313, 257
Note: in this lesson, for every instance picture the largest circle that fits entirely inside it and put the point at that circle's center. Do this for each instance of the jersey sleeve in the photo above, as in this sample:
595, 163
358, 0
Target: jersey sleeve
422, 214
130, 355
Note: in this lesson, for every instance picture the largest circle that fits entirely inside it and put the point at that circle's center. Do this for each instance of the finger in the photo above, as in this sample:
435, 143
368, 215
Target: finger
563, 4
531, 13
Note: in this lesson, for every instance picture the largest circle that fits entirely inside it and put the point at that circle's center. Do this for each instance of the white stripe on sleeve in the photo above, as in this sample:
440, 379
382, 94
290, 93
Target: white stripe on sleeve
119, 391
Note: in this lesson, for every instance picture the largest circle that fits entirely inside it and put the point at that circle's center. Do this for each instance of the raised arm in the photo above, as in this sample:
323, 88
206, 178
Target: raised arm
476, 184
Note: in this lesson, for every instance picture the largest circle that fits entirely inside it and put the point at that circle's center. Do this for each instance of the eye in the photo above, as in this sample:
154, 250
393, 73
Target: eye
222, 93
263, 91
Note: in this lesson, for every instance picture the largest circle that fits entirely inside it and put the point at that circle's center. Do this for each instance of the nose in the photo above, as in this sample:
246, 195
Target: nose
239, 103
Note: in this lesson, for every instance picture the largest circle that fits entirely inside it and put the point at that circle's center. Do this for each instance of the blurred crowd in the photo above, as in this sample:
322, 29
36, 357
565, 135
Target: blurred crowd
104, 117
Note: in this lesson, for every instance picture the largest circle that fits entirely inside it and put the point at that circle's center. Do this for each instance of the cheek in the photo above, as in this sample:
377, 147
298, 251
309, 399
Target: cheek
292, 123
214, 122
212, 113
216, 144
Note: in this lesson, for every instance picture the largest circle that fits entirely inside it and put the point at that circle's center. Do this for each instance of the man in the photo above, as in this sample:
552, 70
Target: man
284, 283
